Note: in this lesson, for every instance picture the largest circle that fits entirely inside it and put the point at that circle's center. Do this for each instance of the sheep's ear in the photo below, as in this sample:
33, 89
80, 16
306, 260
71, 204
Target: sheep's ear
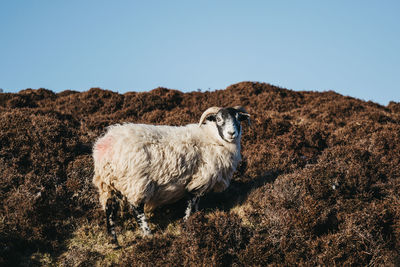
209, 112
211, 118
244, 116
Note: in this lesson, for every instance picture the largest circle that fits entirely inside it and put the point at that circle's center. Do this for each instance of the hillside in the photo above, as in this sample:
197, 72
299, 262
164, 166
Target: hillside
319, 183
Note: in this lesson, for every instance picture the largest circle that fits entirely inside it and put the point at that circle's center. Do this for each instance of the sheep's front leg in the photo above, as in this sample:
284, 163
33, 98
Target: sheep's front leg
111, 214
193, 203
141, 219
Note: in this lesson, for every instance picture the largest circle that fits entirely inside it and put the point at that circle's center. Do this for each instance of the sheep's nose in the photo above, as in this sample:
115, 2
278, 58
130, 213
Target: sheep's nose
231, 133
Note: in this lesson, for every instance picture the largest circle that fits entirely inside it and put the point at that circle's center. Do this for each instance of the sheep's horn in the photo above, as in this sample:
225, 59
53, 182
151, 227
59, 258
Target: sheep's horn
209, 111
240, 109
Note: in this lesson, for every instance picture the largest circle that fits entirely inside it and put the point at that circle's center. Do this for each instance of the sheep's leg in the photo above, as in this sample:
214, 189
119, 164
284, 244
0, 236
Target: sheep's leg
111, 214
193, 203
141, 219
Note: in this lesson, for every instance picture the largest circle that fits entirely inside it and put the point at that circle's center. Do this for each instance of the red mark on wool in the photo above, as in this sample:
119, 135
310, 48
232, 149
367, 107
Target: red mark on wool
102, 147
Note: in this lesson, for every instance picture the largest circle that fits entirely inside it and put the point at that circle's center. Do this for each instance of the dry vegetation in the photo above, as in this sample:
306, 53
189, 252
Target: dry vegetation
319, 184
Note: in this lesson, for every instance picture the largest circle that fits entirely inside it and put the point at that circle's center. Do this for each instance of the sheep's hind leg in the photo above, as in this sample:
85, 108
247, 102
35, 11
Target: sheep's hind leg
141, 219
111, 214
193, 203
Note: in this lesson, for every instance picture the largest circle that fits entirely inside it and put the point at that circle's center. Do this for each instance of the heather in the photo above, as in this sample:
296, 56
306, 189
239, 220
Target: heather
319, 182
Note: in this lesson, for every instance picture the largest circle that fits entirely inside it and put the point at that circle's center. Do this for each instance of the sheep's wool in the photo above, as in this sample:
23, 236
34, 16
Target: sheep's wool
157, 164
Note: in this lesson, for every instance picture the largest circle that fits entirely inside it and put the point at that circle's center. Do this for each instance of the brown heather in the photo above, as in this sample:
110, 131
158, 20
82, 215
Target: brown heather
319, 183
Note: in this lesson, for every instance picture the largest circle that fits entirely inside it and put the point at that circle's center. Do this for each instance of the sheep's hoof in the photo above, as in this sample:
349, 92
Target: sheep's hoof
115, 244
116, 247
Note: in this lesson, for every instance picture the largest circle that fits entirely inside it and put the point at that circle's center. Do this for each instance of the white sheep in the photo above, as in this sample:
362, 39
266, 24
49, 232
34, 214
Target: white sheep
155, 165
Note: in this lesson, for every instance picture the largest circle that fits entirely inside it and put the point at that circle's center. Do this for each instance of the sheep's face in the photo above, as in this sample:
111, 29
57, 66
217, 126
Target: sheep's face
227, 121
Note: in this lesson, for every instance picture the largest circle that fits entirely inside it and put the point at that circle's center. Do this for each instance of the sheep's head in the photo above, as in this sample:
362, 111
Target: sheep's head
227, 121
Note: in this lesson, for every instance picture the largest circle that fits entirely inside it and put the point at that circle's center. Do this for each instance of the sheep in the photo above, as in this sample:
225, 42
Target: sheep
154, 165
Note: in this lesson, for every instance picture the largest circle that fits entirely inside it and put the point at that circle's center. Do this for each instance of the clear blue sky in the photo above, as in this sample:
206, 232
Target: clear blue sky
352, 47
